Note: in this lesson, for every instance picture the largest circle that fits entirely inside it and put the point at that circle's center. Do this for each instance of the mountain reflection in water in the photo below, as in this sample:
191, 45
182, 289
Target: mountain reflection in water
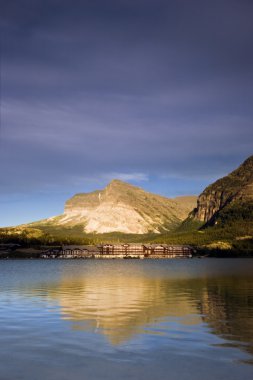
119, 306
123, 299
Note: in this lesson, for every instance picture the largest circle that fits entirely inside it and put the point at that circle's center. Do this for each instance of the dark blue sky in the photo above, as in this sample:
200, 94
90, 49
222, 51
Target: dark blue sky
158, 93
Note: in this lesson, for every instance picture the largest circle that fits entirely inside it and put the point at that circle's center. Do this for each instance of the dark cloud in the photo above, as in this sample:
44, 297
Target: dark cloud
142, 89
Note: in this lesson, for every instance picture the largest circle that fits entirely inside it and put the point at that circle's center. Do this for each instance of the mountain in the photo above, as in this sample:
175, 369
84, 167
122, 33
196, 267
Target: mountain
125, 213
122, 207
228, 198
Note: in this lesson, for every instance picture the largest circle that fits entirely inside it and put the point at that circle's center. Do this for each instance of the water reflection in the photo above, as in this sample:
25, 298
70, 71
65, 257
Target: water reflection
121, 300
120, 306
227, 307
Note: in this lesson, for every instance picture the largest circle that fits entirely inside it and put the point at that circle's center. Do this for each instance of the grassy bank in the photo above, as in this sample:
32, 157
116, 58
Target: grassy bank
218, 240
230, 233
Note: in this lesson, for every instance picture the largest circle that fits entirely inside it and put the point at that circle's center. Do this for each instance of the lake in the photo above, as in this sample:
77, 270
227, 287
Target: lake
126, 319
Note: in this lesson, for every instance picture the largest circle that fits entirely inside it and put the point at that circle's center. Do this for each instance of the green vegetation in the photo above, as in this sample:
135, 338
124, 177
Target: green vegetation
236, 213
237, 186
231, 233
228, 231
234, 181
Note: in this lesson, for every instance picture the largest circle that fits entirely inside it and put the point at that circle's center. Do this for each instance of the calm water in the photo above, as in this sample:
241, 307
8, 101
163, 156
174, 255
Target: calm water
126, 319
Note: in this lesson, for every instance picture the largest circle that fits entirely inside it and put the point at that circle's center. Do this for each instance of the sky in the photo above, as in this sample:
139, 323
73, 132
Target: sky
158, 93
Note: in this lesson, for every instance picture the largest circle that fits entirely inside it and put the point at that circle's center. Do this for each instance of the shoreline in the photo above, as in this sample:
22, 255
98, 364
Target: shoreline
35, 253
111, 251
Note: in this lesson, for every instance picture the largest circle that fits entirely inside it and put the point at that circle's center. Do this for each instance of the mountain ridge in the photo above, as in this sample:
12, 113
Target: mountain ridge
227, 206
228, 191
123, 207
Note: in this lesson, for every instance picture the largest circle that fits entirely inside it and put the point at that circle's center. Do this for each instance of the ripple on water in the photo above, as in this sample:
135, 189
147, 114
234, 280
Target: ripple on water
91, 315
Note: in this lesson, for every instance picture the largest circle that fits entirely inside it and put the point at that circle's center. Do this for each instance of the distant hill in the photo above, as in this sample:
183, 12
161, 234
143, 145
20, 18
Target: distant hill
219, 222
227, 199
122, 207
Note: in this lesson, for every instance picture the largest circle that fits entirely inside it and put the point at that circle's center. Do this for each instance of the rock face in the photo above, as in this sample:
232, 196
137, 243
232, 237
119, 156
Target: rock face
236, 186
124, 208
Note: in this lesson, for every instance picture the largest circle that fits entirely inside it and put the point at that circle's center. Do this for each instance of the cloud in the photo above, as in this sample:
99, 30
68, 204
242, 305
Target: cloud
141, 90
45, 144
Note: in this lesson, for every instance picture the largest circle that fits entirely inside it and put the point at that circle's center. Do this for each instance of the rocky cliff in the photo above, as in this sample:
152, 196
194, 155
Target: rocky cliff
122, 207
233, 188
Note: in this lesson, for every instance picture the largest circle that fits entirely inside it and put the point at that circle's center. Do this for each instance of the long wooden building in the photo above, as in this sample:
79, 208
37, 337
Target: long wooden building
124, 251
145, 250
